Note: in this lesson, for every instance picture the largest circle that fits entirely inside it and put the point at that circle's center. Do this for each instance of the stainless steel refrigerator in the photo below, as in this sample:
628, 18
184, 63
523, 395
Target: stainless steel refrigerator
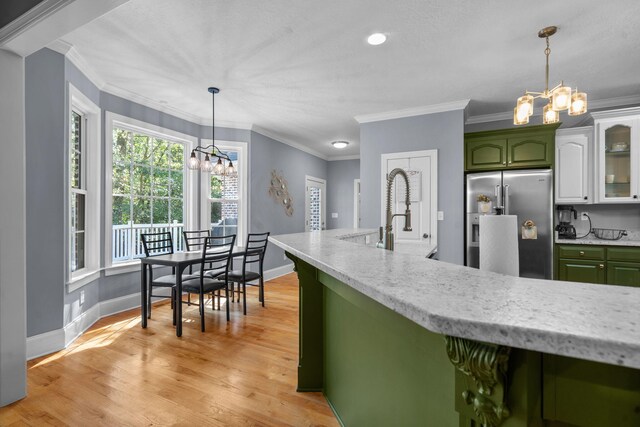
525, 193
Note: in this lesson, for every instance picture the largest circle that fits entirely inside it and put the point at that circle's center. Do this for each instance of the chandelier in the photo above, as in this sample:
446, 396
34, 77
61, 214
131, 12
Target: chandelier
224, 165
560, 98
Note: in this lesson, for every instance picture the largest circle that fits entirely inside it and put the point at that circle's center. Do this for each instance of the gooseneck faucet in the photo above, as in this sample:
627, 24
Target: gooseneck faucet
388, 234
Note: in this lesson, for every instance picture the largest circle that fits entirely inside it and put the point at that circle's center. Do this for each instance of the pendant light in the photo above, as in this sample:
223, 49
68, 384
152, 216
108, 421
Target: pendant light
560, 98
205, 165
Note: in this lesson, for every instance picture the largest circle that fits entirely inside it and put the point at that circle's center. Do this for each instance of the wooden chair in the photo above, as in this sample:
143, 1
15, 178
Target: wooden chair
217, 253
156, 244
255, 250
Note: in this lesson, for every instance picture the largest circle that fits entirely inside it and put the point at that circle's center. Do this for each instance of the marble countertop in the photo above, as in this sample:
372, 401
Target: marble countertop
631, 239
592, 322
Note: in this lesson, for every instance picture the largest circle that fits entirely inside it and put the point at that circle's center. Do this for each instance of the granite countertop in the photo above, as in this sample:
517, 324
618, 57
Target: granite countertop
631, 239
592, 322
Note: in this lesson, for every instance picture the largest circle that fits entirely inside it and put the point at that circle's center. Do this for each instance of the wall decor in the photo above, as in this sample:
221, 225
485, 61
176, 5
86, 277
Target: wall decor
279, 190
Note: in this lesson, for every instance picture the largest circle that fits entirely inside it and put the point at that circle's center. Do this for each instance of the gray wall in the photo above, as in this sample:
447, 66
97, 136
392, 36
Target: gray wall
341, 174
45, 202
441, 131
13, 378
267, 154
50, 307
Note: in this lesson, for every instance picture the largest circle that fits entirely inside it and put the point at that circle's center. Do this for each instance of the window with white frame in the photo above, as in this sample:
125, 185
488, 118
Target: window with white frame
78, 191
226, 209
147, 191
84, 165
148, 188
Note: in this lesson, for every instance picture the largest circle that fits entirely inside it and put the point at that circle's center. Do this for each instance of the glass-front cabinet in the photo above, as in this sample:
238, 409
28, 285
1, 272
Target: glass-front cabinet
618, 152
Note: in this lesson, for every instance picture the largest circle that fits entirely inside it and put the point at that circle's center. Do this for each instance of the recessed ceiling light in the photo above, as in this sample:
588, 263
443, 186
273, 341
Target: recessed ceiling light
376, 38
340, 144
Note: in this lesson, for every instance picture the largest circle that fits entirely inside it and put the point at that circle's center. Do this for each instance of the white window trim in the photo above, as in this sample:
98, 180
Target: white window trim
189, 190
205, 187
91, 156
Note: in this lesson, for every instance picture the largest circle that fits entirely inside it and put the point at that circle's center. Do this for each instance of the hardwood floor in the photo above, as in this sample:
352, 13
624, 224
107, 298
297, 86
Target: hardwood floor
118, 374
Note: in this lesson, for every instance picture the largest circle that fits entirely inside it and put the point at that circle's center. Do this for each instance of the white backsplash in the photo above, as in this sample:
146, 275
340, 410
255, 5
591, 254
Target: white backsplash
625, 217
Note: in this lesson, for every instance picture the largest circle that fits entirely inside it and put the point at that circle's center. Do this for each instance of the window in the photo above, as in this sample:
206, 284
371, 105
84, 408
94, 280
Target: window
84, 165
148, 188
147, 191
78, 191
226, 209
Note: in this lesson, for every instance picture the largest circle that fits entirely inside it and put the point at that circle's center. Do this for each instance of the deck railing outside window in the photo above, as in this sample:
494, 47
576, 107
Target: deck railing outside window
126, 242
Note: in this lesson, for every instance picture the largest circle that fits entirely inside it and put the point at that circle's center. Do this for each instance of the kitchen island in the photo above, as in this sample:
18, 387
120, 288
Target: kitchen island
397, 339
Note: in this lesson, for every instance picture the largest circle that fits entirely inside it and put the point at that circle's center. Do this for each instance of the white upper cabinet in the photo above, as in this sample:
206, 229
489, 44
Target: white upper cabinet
617, 155
573, 165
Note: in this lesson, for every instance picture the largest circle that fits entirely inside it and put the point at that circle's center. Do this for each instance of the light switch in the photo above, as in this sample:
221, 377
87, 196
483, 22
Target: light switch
334, 214
440, 215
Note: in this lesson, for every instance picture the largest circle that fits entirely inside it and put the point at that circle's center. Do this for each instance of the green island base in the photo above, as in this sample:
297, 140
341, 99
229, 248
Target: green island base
378, 368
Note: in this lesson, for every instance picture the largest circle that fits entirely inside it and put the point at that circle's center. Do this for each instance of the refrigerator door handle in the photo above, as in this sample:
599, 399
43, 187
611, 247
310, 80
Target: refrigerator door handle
498, 193
506, 199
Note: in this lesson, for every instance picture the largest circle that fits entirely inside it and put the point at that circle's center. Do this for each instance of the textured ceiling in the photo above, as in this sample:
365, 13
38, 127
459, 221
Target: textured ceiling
302, 70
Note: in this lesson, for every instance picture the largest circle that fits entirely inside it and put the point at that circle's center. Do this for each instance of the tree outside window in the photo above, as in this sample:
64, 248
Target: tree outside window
147, 191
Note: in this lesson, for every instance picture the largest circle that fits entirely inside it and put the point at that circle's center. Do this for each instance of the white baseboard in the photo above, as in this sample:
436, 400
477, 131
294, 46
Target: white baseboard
41, 344
278, 271
120, 304
59, 339
77, 326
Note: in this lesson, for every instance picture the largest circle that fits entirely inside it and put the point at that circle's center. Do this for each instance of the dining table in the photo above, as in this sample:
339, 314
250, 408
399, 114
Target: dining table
179, 261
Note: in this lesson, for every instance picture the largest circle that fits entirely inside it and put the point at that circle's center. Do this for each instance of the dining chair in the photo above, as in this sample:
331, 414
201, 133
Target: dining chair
194, 240
216, 255
255, 250
156, 244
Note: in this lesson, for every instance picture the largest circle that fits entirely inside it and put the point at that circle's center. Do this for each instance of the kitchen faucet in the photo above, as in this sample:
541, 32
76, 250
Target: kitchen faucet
388, 235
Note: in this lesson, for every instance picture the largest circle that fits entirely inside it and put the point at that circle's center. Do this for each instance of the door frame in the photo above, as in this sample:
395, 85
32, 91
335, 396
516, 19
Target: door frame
323, 201
356, 203
433, 181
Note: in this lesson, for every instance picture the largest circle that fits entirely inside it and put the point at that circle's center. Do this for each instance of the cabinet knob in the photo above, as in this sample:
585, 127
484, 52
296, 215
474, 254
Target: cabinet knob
510, 162
601, 266
504, 163
635, 196
586, 198
581, 253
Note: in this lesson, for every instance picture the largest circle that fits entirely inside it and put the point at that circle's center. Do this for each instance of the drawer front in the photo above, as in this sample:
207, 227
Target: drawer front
581, 252
582, 271
623, 254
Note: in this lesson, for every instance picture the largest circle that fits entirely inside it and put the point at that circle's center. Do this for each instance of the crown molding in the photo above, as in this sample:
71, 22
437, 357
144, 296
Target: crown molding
615, 113
30, 18
71, 53
411, 112
593, 105
286, 141
336, 158
494, 117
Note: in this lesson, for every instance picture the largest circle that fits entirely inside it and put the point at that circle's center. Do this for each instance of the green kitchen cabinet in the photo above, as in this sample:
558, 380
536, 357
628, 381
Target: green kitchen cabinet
623, 273
611, 265
486, 154
530, 151
528, 147
582, 271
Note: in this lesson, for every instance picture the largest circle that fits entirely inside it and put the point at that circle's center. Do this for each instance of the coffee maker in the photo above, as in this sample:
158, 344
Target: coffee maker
564, 228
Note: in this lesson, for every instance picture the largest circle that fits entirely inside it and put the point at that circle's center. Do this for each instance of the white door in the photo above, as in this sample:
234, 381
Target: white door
315, 205
422, 168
